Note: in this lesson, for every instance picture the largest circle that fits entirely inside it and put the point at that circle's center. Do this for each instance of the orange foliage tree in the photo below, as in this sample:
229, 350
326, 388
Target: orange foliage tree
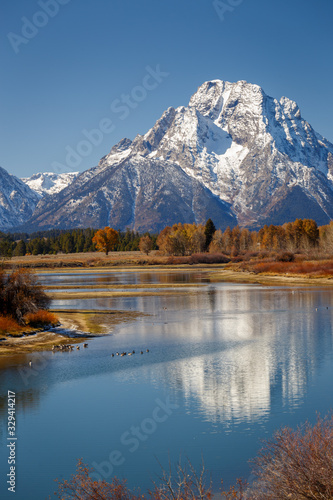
145, 244
105, 239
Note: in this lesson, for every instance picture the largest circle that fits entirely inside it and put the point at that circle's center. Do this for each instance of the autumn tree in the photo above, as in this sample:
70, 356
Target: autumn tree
244, 240
198, 239
105, 239
146, 244
217, 243
182, 239
326, 238
164, 241
311, 232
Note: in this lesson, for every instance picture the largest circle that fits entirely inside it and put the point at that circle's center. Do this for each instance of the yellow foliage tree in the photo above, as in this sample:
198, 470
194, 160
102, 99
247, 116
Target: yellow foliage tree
105, 239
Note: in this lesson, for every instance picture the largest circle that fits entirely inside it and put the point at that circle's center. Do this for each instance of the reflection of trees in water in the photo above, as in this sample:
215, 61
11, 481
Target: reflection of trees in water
212, 298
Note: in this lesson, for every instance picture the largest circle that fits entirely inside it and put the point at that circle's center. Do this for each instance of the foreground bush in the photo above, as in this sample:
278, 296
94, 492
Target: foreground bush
20, 294
293, 465
185, 484
41, 318
296, 464
8, 325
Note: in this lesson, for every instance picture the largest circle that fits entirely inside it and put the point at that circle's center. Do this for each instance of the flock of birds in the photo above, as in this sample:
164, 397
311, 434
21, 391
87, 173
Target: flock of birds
124, 353
69, 347
66, 347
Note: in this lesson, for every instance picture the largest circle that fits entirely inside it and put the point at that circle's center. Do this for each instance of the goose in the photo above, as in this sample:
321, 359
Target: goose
112, 355
77, 347
147, 350
85, 345
30, 363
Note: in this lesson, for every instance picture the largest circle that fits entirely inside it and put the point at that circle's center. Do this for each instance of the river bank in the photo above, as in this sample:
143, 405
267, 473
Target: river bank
78, 325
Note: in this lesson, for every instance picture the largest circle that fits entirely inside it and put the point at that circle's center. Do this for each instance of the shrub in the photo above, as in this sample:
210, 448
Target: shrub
285, 257
8, 325
20, 294
41, 318
293, 465
296, 464
200, 258
82, 487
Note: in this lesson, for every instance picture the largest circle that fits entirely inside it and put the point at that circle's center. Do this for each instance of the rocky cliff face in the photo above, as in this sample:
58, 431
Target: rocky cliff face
17, 201
233, 154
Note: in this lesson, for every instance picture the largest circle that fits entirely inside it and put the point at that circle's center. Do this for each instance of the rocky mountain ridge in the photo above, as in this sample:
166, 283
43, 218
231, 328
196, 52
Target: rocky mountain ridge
233, 154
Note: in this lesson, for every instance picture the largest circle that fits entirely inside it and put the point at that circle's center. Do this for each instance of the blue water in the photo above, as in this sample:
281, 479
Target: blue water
228, 364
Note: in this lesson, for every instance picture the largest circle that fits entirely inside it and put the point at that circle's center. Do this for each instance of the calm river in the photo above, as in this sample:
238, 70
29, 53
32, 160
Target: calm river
227, 365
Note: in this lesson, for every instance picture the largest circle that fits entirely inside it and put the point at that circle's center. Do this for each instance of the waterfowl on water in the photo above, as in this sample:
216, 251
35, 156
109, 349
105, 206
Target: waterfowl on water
112, 355
147, 350
77, 347
85, 345
30, 363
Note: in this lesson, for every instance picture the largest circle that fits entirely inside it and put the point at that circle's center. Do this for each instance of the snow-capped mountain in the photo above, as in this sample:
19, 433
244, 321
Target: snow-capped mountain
233, 154
49, 182
17, 201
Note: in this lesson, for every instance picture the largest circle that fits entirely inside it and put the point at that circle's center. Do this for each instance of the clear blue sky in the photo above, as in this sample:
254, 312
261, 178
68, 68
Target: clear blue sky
64, 78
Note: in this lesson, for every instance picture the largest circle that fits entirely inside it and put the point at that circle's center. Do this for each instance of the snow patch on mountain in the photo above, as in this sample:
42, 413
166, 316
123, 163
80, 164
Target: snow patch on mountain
17, 201
49, 182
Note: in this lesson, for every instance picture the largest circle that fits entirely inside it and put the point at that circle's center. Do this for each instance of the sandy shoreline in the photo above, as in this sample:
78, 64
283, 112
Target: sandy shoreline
270, 279
78, 326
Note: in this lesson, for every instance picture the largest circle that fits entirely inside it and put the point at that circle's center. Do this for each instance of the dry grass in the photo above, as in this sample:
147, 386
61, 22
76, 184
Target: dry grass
308, 268
114, 259
87, 260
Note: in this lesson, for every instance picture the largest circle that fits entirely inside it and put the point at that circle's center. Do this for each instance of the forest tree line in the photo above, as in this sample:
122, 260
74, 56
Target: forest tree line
302, 235
180, 239
63, 241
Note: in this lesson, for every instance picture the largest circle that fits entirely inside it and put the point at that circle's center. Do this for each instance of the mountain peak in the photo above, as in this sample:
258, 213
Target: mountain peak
234, 154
